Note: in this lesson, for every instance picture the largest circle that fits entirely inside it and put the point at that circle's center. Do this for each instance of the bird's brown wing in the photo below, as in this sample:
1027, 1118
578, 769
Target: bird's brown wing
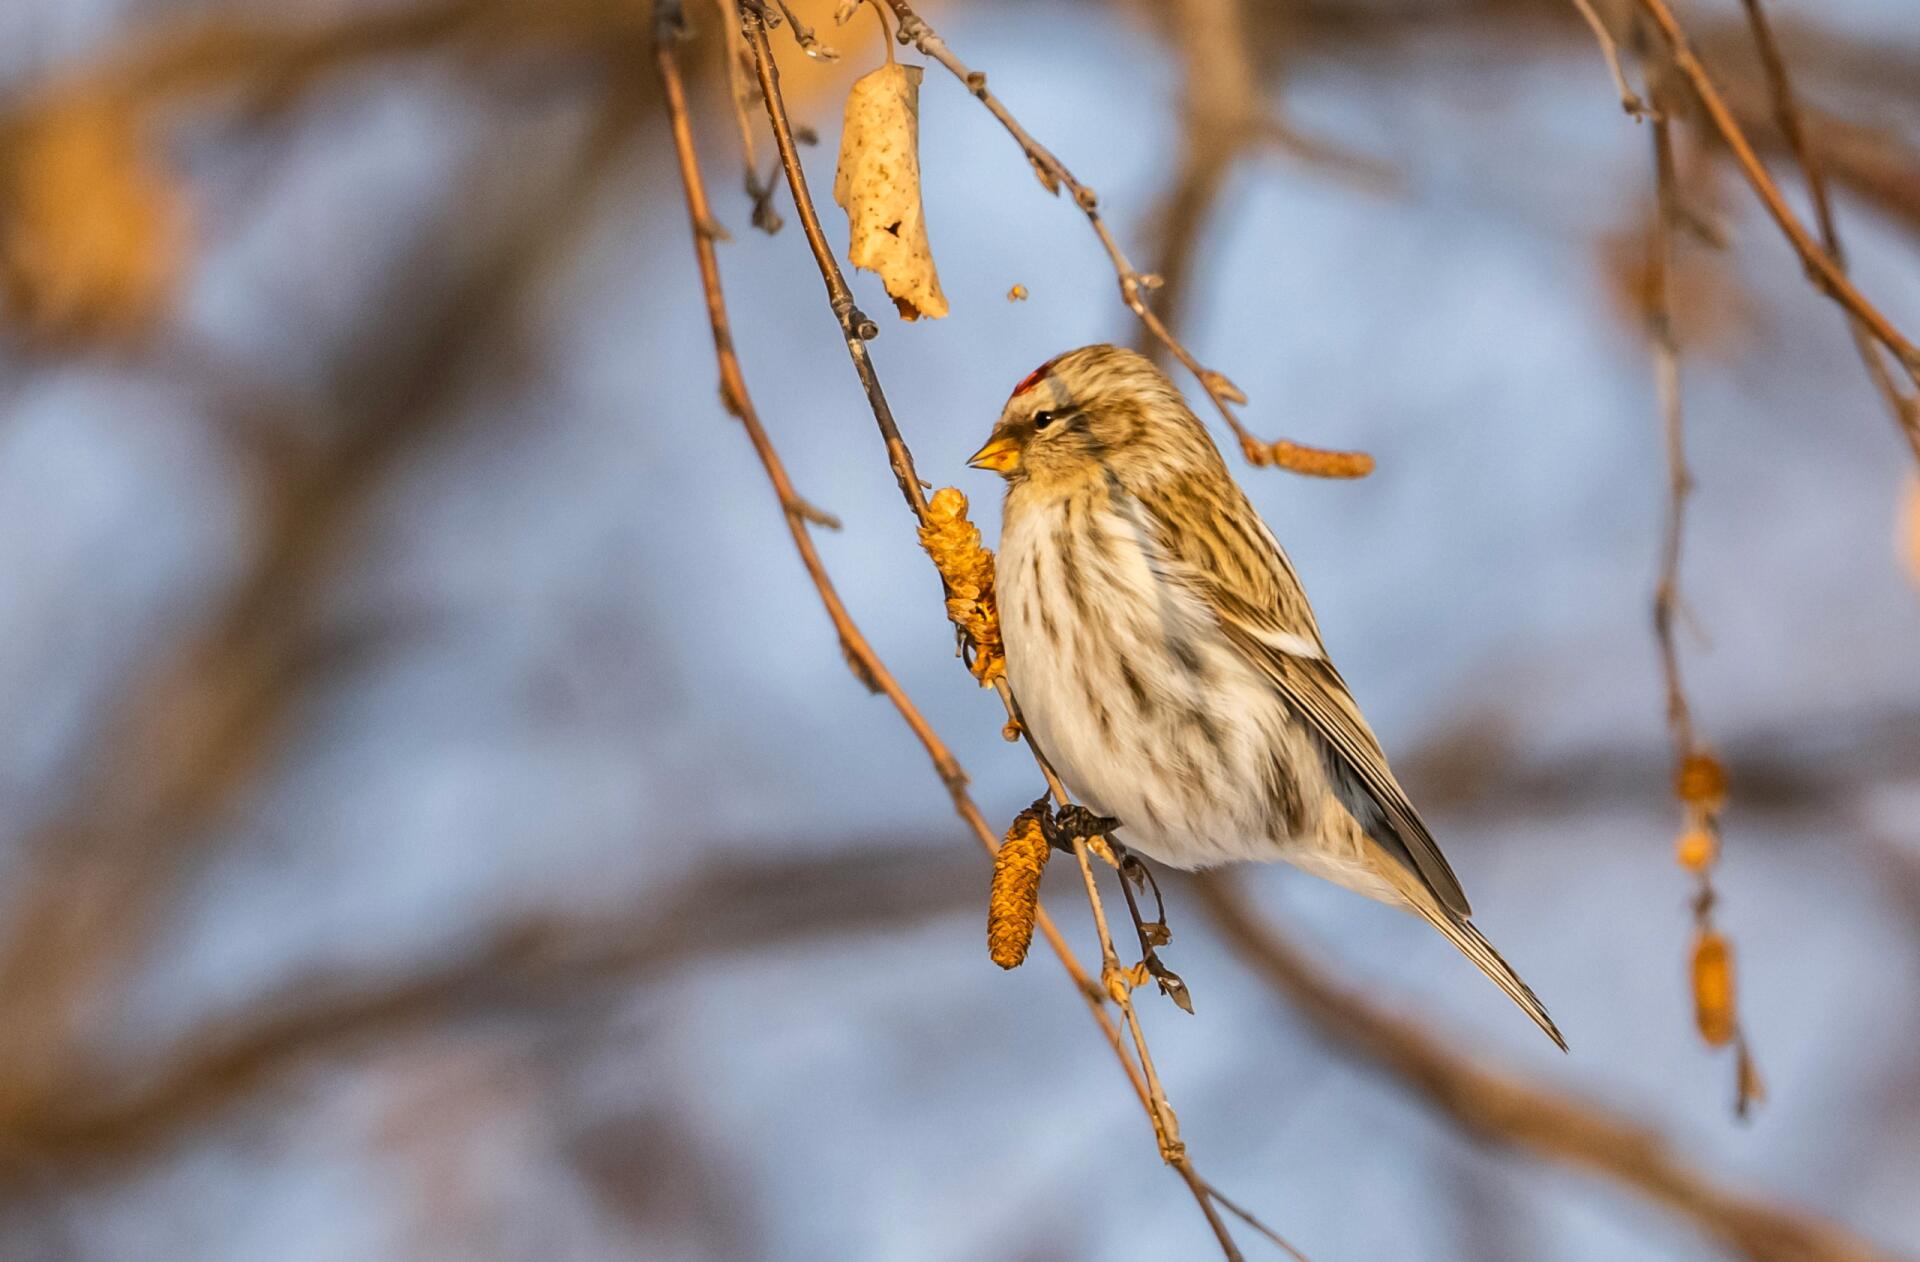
1317, 693
1263, 623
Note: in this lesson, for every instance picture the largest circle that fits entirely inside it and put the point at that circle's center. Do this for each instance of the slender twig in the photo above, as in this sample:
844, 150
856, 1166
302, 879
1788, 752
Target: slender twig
856, 328
1822, 268
1118, 984
1701, 837
1610, 49
860, 653
802, 33
1904, 408
1666, 361
868, 664
1134, 284
740, 94
1224, 120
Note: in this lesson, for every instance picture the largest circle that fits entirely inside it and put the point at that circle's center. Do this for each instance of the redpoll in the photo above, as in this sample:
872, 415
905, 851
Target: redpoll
1164, 658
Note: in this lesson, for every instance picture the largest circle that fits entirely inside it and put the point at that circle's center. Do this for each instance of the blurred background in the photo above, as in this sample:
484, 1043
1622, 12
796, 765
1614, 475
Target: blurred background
436, 821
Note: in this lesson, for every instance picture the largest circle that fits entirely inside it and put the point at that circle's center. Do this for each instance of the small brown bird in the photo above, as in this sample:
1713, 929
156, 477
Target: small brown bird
1165, 659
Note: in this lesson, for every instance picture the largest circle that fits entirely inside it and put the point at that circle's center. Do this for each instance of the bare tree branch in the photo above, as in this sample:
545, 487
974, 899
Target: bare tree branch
1511, 1113
1134, 284
202, 728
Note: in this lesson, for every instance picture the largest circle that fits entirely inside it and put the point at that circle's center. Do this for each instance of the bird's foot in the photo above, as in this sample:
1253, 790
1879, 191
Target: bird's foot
1154, 933
1076, 823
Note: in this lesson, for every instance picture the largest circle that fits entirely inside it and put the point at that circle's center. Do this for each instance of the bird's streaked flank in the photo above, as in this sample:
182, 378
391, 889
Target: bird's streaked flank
1165, 659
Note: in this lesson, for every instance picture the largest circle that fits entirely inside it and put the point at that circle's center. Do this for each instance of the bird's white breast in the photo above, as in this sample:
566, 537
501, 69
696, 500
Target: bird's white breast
1133, 692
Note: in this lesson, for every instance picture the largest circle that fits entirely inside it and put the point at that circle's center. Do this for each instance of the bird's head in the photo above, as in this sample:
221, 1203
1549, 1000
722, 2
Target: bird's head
1100, 410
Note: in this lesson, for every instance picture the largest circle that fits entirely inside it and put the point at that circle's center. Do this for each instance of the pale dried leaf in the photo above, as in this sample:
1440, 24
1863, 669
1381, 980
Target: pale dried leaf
878, 183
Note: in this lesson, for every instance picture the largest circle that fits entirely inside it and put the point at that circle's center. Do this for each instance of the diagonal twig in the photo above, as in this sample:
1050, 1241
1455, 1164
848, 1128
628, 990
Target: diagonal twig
856, 328
1134, 284
1904, 407
1822, 268
858, 650
1514, 1114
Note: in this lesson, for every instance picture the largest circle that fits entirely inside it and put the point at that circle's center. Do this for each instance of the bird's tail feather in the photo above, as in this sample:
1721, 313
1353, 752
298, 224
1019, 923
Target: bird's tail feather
1475, 947
1413, 891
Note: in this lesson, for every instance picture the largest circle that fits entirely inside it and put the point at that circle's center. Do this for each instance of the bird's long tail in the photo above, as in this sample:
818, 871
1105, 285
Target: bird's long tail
1475, 947
1420, 899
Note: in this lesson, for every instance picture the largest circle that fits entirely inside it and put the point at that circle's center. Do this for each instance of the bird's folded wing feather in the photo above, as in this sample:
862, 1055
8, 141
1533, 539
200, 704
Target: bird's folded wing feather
1271, 623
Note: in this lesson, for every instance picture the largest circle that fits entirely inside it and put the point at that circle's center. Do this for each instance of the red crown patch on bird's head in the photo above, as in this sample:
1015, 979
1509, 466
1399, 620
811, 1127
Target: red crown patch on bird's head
1033, 379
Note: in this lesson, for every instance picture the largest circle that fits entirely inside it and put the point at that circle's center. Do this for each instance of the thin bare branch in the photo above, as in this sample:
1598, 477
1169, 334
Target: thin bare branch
1517, 1115
741, 95
193, 735
854, 643
1610, 49
856, 329
1822, 268
1134, 284
1697, 772
1903, 407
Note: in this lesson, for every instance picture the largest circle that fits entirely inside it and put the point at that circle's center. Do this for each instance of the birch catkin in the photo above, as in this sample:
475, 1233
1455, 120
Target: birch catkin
1015, 901
967, 569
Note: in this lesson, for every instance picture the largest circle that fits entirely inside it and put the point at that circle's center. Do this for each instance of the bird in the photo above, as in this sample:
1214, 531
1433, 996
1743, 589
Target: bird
1164, 659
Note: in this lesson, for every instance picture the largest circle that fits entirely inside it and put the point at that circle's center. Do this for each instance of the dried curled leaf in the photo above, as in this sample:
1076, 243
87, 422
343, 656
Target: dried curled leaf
1713, 988
1015, 900
92, 225
878, 184
967, 569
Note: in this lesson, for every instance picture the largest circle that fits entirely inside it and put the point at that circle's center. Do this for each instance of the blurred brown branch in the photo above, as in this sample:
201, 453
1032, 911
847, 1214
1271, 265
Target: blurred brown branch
1506, 1111
274, 58
1792, 127
199, 731
872, 888
104, 1115
1224, 118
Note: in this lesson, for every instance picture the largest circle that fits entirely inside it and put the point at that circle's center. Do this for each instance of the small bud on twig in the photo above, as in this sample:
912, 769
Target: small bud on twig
1697, 849
1701, 781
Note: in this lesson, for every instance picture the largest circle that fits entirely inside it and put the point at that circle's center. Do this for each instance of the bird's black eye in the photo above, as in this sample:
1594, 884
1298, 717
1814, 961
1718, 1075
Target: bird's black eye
1042, 419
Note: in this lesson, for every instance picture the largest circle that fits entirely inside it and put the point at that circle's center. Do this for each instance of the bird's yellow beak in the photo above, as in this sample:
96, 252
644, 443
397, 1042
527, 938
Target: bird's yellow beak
1002, 455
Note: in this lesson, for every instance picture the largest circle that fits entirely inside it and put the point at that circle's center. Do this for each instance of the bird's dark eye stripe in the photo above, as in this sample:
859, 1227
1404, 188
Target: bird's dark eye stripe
1048, 416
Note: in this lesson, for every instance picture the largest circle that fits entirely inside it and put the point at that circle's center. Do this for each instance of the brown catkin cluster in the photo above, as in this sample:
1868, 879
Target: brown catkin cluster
1314, 462
1015, 900
967, 567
